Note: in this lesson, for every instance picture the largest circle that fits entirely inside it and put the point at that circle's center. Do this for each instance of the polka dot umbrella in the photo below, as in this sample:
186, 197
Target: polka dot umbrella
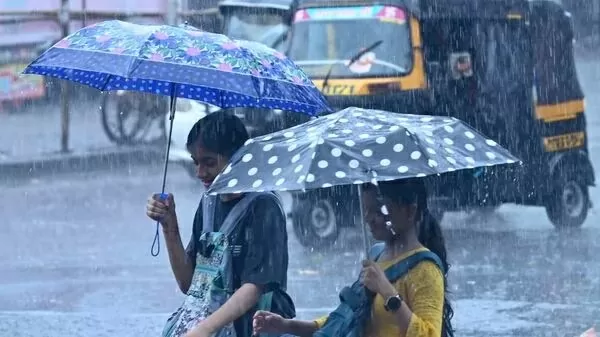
354, 146
180, 62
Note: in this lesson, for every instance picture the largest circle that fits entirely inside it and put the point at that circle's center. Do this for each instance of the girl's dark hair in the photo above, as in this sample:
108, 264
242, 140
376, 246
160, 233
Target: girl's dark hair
220, 132
414, 191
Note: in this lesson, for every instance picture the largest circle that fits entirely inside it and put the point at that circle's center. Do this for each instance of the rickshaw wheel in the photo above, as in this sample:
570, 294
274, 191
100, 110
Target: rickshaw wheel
568, 205
315, 222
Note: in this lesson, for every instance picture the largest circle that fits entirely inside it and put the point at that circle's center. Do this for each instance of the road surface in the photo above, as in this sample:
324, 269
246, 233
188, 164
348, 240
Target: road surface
75, 252
76, 262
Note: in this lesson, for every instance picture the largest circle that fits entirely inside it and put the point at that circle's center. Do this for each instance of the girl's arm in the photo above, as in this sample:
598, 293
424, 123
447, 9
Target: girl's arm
426, 295
301, 328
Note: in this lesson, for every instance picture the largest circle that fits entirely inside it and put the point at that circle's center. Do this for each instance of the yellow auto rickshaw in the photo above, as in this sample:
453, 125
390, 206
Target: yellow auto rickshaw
506, 67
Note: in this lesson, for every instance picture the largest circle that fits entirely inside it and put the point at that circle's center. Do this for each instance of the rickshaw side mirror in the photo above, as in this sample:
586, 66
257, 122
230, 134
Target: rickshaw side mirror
289, 18
460, 65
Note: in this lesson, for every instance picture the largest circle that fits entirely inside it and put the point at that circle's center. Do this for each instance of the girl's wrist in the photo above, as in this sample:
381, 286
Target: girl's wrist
287, 325
168, 232
388, 291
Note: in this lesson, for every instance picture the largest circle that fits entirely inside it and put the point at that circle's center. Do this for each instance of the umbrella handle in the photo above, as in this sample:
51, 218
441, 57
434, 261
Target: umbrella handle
156, 242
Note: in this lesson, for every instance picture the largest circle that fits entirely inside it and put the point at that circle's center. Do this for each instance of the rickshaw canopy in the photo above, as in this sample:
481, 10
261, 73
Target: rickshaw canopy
435, 9
269, 4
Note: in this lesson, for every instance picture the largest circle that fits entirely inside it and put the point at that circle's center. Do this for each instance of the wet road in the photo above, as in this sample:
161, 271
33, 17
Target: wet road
75, 254
76, 262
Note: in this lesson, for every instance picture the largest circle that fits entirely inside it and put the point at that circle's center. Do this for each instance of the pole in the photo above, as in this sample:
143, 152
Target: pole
63, 18
84, 13
172, 10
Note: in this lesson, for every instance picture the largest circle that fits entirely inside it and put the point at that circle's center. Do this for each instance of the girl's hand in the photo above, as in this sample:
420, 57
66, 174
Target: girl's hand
374, 279
163, 211
268, 322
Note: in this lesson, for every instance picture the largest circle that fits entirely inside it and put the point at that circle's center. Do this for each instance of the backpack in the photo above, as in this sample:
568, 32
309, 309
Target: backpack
277, 301
354, 310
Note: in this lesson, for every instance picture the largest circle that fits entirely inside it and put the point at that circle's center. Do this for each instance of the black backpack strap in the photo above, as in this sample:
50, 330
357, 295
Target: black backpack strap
396, 271
240, 234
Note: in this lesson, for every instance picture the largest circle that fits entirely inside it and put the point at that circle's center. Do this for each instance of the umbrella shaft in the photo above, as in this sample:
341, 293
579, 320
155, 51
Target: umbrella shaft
169, 137
365, 236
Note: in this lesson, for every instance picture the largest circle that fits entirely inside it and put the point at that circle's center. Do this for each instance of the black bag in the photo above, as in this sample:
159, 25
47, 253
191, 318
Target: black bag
276, 301
351, 316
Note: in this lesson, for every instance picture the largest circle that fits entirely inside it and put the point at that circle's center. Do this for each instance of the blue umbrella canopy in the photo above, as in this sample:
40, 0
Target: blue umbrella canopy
181, 62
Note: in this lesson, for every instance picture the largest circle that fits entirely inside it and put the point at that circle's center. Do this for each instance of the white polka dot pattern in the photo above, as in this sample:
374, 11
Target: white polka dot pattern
365, 144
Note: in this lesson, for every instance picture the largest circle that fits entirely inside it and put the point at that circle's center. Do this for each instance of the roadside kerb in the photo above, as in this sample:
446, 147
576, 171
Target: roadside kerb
83, 161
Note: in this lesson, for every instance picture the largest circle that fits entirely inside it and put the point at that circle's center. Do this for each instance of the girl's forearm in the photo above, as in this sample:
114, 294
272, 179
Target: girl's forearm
239, 303
301, 328
403, 316
183, 270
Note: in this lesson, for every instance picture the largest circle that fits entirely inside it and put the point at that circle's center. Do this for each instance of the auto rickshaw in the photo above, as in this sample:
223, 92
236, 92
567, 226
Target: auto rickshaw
506, 67
265, 21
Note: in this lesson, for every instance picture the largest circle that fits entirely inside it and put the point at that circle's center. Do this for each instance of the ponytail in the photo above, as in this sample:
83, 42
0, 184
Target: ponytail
430, 236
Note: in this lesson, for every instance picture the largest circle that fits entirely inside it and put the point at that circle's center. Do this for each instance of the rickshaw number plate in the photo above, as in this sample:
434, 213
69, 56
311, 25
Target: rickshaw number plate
564, 142
339, 89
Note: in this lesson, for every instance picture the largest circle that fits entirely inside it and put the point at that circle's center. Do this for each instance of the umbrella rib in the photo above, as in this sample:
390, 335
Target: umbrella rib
137, 60
314, 149
426, 154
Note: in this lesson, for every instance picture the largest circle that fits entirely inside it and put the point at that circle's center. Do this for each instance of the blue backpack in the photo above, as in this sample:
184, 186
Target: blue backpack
350, 317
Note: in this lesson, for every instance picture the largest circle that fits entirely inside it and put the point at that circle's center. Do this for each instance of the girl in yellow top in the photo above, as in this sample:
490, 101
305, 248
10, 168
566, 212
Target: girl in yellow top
415, 305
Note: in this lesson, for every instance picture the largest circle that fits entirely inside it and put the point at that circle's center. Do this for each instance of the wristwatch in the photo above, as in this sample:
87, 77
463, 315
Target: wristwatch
393, 304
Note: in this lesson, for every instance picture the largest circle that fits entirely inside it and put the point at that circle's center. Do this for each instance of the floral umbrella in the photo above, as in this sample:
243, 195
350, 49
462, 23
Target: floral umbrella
180, 62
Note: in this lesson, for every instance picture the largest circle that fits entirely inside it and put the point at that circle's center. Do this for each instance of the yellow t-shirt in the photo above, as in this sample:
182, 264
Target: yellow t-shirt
422, 288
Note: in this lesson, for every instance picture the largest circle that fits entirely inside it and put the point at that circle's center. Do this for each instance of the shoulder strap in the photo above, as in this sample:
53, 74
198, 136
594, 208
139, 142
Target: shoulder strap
278, 201
238, 211
399, 269
208, 212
